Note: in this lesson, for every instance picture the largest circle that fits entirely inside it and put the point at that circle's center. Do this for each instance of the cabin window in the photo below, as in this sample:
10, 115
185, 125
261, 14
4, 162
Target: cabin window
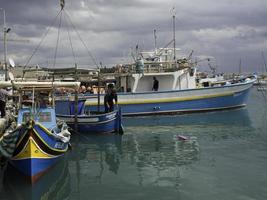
45, 117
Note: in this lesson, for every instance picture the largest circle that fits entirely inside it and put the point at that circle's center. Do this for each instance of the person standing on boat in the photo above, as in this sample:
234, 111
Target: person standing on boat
3, 96
109, 98
155, 84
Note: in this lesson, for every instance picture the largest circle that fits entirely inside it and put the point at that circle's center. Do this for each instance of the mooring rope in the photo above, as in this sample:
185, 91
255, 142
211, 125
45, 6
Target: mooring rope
58, 35
78, 34
44, 36
71, 45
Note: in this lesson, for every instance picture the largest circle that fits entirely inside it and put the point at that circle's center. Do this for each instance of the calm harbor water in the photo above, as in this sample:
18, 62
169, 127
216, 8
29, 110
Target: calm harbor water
225, 158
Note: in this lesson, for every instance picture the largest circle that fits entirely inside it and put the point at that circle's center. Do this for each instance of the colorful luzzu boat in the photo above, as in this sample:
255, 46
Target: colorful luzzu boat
38, 140
40, 143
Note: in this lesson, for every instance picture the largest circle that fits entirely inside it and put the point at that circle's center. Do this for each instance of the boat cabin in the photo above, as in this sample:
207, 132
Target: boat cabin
46, 116
143, 82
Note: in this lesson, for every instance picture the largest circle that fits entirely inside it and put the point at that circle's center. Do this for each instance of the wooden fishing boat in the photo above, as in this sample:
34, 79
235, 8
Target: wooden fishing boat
91, 122
38, 140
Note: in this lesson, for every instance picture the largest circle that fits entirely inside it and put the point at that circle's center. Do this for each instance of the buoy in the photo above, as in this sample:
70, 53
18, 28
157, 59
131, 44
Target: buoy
182, 137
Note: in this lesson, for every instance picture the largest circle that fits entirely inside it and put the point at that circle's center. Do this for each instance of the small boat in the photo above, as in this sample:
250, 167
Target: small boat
38, 140
91, 122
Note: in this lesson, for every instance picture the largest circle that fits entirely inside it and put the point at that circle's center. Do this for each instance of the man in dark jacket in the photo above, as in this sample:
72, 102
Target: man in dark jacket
3, 97
155, 84
109, 98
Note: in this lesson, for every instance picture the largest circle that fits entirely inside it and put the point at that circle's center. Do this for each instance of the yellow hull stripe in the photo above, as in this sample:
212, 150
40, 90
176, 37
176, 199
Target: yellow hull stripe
32, 150
47, 132
167, 100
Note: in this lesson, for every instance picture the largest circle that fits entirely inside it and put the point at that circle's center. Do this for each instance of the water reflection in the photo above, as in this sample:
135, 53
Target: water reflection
238, 117
95, 153
159, 161
145, 159
55, 184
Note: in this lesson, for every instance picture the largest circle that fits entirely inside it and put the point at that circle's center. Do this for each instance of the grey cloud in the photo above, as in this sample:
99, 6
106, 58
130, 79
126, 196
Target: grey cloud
227, 30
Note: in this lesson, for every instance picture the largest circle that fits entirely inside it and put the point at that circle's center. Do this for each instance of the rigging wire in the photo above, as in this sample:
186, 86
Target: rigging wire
71, 45
58, 35
44, 36
78, 34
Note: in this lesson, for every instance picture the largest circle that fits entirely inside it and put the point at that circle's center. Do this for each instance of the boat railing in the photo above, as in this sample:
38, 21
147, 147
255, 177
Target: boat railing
153, 67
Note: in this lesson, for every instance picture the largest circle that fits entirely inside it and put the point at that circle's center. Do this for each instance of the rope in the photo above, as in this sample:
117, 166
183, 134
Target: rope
88, 51
72, 49
58, 34
44, 36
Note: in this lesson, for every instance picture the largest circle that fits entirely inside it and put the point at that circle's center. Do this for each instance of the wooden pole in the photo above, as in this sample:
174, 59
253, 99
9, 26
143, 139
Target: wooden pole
53, 92
76, 103
174, 39
98, 89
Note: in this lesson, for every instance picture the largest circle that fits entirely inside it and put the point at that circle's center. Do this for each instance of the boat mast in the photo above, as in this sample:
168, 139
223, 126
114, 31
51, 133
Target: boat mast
155, 41
174, 39
98, 87
5, 31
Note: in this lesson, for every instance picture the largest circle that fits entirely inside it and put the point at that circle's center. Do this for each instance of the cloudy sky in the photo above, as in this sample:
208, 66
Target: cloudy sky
225, 30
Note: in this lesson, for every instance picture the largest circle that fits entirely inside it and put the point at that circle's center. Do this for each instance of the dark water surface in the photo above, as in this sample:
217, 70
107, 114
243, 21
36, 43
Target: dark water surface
225, 158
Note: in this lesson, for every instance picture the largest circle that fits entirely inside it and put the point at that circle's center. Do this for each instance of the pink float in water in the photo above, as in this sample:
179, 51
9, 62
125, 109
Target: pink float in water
182, 137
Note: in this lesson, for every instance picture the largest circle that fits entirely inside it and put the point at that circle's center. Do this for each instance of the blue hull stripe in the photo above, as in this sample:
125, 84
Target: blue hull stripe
215, 103
33, 166
96, 128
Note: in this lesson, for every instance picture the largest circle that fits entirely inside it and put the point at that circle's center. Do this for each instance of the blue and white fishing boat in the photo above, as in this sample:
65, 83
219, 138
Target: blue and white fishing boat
90, 122
178, 93
180, 89
39, 140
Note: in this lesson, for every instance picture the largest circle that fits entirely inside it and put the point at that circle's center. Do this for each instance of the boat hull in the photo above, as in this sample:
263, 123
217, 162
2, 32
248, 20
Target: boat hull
174, 101
195, 105
181, 101
37, 150
95, 124
53, 185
